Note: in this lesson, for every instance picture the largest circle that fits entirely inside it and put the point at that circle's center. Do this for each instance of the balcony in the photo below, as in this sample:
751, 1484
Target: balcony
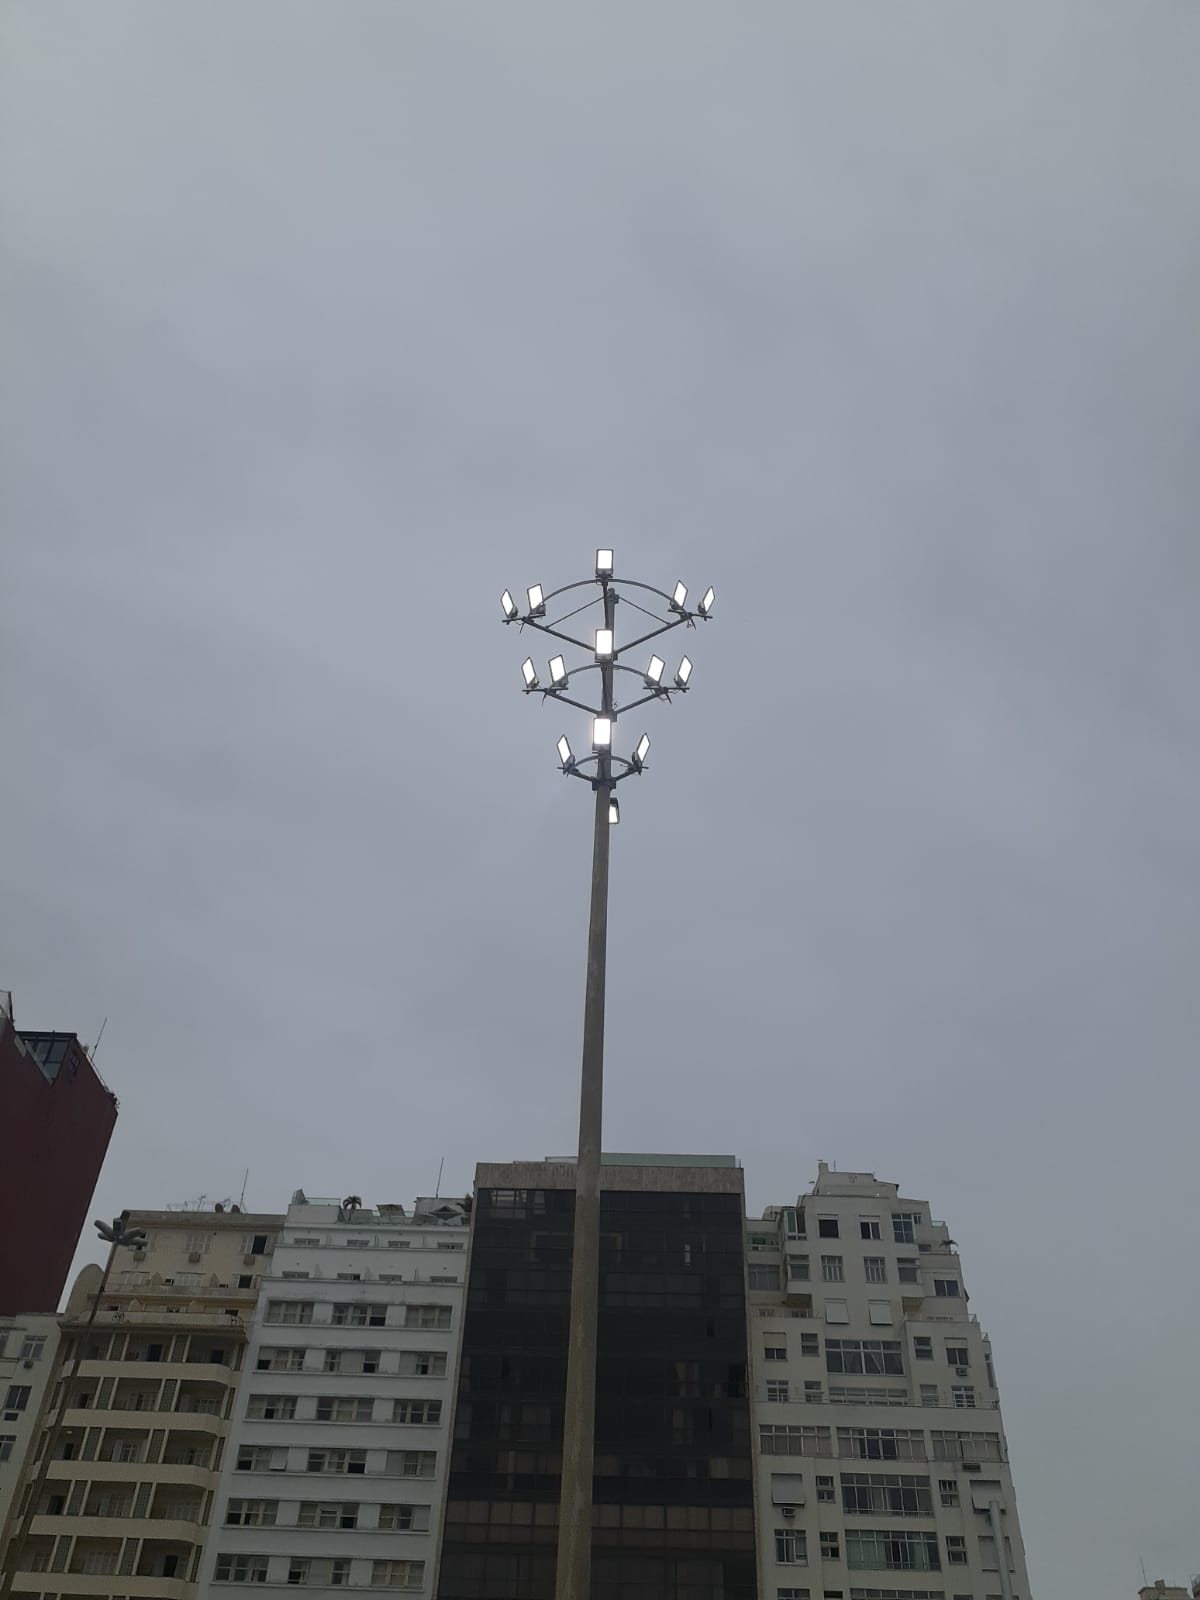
102, 1585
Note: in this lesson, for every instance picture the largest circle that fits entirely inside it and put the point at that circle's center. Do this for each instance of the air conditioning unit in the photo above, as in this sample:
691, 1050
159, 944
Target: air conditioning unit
788, 1511
139, 1255
30, 1363
971, 1466
248, 1261
195, 1255
962, 1372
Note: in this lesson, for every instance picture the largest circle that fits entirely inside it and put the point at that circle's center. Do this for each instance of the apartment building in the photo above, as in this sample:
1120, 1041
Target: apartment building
336, 1470
881, 1462
28, 1347
128, 1490
674, 1477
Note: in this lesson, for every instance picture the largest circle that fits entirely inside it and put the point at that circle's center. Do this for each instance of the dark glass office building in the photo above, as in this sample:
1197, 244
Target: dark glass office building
674, 1513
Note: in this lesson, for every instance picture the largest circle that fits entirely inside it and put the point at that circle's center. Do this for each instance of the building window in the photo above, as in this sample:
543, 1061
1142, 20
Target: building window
882, 1444
797, 1269
299, 1569
960, 1446
813, 1393
763, 1275
351, 1362
888, 1494
422, 1364
358, 1244
356, 1314
399, 1244
279, 1359
261, 1458
774, 1352
289, 1311
948, 1493
810, 1344
825, 1491
397, 1574
963, 1396
863, 1356
197, 1243
336, 1461
793, 1222
426, 1316
908, 1270
956, 1550
958, 1355
7, 1440
794, 1439
875, 1269
827, 1228
929, 1394
947, 1288
18, 1397
904, 1226
868, 1227
866, 1395
327, 1514
987, 1553
32, 1346
879, 1313
245, 1280
404, 1519
251, 1513
307, 1241
254, 1244
887, 1550
297, 1274
426, 1413
777, 1390
342, 1277
791, 1547
832, 1269
922, 1348
792, 1594
271, 1407
450, 1244
241, 1569
345, 1408
837, 1311
829, 1547
411, 1463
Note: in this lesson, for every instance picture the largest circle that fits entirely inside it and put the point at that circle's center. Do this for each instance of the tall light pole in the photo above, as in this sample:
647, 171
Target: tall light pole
603, 770
118, 1235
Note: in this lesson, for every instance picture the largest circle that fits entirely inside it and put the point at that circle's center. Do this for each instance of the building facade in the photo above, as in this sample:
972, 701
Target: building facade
882, 1467
336, 1471
674, 1486
28, 1348
127, 1495
56, 1119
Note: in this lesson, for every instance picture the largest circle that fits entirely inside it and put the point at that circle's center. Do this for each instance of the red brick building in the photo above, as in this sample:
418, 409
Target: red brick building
56, 1118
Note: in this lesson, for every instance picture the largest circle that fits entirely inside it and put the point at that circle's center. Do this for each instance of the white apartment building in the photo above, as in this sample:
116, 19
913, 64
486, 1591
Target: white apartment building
28, 1347
881, 1463
336, 1472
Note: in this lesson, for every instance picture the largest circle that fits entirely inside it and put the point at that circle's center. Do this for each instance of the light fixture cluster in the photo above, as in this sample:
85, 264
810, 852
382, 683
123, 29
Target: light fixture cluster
606, 659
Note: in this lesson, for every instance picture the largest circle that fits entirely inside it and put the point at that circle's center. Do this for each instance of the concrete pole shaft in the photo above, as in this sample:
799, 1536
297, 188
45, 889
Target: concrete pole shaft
573, 1573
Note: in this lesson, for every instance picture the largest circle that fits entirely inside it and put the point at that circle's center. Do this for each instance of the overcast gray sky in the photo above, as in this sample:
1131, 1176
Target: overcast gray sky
322, 323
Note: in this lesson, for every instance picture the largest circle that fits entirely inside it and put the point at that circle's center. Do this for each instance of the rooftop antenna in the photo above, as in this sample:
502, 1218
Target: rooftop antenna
1145, 1579
438, 1186
245, 1181
99, 1036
